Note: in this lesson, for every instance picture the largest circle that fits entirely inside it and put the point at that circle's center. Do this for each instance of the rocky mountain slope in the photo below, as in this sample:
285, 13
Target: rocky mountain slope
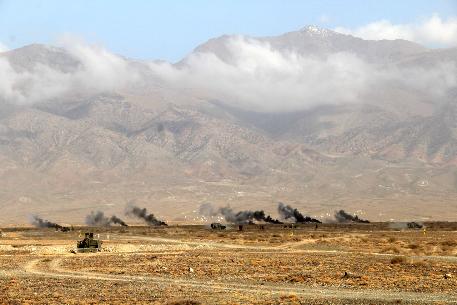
391, 154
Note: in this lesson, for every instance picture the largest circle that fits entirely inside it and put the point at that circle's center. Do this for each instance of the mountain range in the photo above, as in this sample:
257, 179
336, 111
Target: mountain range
314, 118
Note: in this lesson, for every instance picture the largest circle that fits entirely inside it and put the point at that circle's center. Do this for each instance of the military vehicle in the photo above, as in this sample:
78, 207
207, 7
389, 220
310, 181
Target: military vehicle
414, 225
89, 244
217, 226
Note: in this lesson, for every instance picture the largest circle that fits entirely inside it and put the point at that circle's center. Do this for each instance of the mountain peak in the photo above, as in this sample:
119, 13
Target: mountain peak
28, 56
36, 48
314, 30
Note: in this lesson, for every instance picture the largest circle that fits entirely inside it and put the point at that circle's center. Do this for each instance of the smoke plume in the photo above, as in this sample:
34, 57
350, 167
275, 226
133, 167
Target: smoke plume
42, 223
287, 212
241, 217
244, 217
342, 216
99, 219
117, 220
142, 213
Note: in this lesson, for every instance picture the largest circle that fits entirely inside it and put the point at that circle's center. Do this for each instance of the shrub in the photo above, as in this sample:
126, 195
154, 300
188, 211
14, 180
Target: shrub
398, 260
391, 249
413, 246
449, 243
184, 302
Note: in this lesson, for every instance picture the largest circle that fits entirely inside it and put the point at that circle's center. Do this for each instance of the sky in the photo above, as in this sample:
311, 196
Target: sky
171, 29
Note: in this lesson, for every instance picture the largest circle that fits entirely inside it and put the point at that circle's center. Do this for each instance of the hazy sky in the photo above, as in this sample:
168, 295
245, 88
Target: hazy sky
171, 29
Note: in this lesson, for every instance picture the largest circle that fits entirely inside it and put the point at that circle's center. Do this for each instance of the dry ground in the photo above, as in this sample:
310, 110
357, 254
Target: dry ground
195, 265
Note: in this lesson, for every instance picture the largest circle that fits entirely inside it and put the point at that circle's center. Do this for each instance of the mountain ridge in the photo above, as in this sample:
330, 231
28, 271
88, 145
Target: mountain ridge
171, 148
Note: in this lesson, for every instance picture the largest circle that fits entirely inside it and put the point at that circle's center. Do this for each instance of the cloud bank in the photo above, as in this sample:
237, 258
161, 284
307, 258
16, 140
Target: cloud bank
252, 75
433, 31
96, 70
260, 77
255, 76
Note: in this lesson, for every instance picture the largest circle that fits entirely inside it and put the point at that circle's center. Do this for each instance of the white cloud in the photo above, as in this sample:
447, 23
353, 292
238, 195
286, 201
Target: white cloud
98, 71
101, 69
3, 48
257, 77
433, 31
252, 75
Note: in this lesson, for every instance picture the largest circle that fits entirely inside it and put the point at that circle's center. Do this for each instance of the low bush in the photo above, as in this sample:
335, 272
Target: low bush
398, 260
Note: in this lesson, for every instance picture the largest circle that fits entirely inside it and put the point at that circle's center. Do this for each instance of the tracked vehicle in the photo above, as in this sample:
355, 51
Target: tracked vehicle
89, 244
414, 225
217, 226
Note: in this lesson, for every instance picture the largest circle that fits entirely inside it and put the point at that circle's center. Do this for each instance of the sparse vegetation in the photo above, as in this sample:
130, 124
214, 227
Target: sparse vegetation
398, 260
184, 302
392, 239
391, 249
194, 264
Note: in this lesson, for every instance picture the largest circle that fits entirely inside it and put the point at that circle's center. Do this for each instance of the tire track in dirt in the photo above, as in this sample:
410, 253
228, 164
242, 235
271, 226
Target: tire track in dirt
286, 247
55, 270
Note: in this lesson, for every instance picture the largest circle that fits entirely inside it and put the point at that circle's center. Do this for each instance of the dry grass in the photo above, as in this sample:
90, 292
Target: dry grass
449, 243
391, 249
275, 256
184, 302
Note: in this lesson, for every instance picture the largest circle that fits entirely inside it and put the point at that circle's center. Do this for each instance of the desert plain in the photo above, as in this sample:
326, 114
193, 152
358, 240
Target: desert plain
375, 263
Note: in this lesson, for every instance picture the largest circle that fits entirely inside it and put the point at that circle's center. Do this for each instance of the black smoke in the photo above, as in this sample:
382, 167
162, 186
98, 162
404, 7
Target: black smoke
100, 220
43, 223
142, 213
287, 212
342, 216
117, 220
241, 217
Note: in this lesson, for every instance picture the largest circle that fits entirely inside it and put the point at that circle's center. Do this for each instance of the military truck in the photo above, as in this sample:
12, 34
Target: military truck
89, 244
217, 226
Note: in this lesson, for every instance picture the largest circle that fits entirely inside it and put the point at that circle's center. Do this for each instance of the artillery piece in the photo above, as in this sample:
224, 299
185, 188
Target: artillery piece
89, 244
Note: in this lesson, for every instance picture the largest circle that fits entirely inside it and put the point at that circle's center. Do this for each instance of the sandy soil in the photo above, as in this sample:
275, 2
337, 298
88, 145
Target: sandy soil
359, 264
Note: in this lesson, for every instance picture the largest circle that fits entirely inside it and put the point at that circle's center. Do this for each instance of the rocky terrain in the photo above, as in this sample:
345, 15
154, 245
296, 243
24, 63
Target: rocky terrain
333, 264
72, 141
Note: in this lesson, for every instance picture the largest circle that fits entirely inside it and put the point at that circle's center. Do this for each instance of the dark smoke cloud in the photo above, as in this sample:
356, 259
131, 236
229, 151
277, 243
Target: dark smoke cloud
142, 213
287, 212
342, 216
99, 219
117, 220
42, 223
241, 217
244, 217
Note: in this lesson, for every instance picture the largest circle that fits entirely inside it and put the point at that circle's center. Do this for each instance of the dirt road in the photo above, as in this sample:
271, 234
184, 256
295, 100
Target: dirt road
51, 267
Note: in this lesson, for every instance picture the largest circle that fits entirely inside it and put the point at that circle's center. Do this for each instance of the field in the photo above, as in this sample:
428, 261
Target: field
330, 264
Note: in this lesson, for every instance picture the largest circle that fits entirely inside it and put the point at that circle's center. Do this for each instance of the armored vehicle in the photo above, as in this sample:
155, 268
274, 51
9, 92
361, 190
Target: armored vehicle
89, 244
414, 225
217, 226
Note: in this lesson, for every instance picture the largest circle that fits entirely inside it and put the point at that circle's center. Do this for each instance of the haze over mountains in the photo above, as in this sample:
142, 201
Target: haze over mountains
314, 118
